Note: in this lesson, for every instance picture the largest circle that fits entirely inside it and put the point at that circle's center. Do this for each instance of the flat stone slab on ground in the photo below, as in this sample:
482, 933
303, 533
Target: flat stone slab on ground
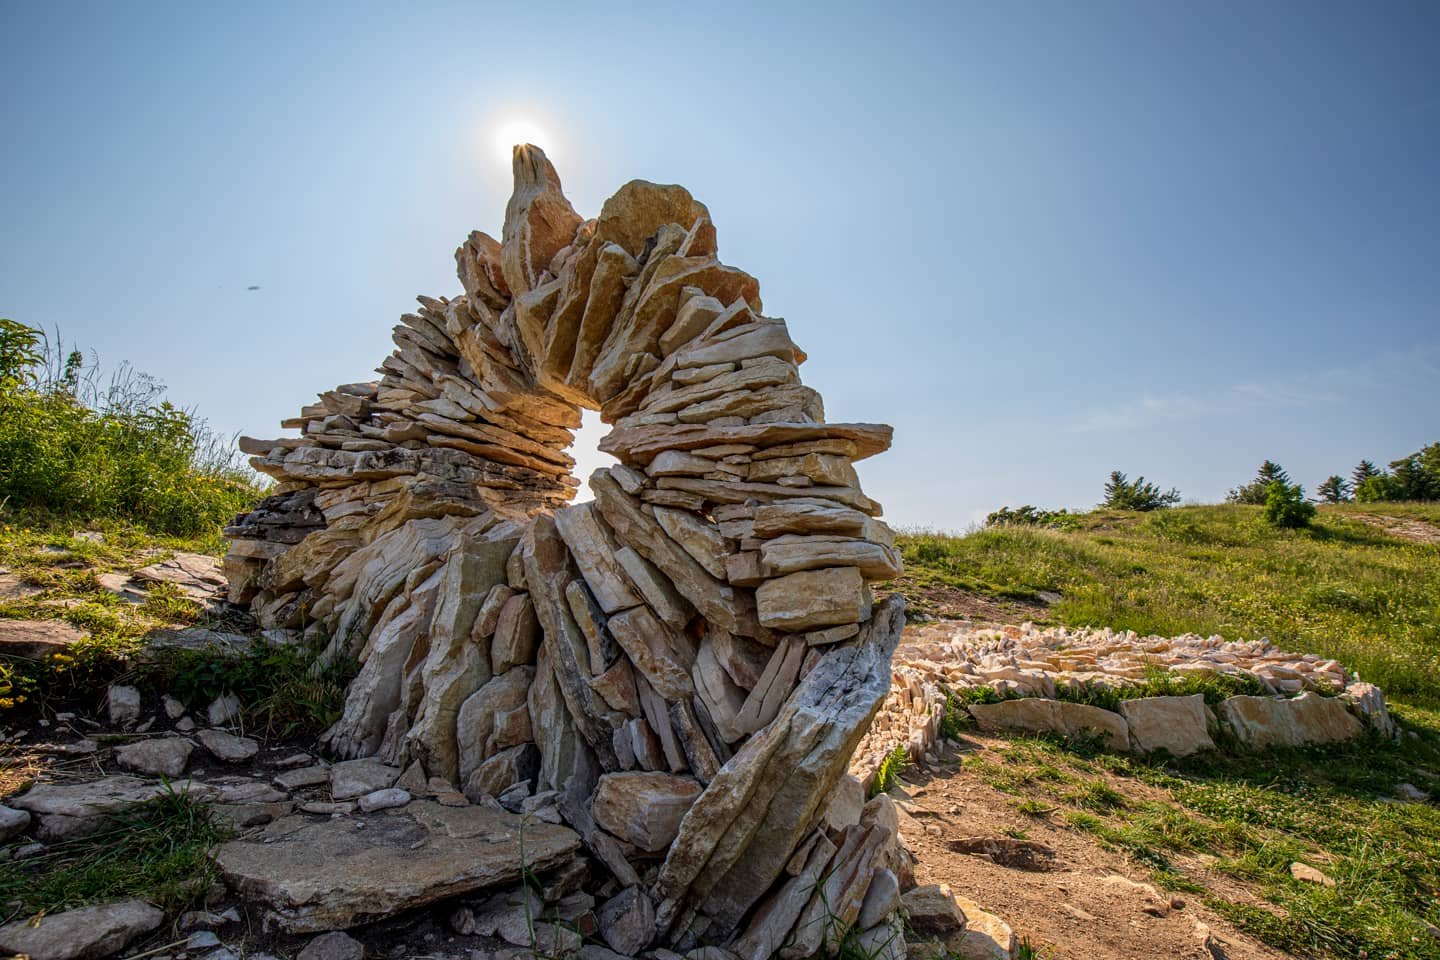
162, 757
355, 778
17, 588
88, 933
12, 822
196, 575
36, 639
197, 638
227, 746
303, 777
329, 875
73, 809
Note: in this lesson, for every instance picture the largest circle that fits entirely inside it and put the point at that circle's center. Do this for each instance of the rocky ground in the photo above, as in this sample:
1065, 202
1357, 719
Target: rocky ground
416, 869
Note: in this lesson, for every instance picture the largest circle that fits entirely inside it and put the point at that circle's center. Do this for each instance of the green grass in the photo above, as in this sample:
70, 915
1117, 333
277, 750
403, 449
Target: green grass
284, 690
889, 770
1330, 807
158, 851
1340, 588
85, 443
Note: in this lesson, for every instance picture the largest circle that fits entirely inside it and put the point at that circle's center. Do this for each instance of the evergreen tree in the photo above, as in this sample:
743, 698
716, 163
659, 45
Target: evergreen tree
1378, 488
1334, 490
1363, 471
1255, 492
1272, 472
1122, 494
1412, 481
1429, 457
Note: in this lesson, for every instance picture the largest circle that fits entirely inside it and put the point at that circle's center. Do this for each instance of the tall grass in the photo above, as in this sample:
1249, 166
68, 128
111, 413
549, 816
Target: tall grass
78, 442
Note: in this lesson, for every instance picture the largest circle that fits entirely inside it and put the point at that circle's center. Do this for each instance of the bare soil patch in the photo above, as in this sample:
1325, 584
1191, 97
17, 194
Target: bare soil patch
1087, 903
938, 602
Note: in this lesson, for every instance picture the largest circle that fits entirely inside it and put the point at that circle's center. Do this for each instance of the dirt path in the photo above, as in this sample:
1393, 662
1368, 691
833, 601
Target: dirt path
952, 603
1087, 903
1406, 528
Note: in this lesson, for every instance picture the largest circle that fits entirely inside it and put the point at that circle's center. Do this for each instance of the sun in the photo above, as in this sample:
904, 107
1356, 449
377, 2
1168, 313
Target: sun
520, 130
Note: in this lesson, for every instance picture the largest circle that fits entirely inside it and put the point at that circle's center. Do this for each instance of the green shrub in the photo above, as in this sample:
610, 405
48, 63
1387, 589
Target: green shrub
286, 690
1124, 494
1377, 489
1028, 516
1286, 506
76, 446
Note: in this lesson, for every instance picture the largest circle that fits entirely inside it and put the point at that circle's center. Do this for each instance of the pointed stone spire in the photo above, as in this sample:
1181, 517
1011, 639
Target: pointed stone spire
539, 221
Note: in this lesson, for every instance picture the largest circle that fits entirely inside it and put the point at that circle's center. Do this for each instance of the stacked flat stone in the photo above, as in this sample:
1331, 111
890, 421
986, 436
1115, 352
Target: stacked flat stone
689, 661
1030, 662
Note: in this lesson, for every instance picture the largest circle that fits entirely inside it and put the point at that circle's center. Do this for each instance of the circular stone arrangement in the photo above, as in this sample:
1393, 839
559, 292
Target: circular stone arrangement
1041, 677
684, 666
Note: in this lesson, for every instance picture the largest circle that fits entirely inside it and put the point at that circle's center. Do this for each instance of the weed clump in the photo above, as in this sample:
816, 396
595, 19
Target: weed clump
889, 770
159, 851
286, 689
79, 445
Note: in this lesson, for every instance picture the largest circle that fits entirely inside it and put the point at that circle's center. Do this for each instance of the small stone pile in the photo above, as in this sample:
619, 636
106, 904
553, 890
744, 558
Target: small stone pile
689, 661
1031, 666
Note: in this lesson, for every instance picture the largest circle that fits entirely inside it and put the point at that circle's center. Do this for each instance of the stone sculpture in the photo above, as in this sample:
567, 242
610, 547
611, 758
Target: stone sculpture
688, 662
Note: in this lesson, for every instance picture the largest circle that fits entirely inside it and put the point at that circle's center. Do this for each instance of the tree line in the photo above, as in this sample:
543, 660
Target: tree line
1410, 478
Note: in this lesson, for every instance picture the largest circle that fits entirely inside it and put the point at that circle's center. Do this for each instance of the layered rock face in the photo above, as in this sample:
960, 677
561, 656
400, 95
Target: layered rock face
689, 661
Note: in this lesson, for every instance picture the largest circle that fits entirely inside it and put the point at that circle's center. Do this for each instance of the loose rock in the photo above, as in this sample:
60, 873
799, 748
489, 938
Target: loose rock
228, 747
163, 757
122, 703
333, 946
87, 933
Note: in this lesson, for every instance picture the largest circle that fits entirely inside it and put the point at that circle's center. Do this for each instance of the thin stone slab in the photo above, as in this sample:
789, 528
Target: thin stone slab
640, 444
88, 933
1261, 722
36, 639
327, 875
75, 809
1038, 715
196, 575
1178, 725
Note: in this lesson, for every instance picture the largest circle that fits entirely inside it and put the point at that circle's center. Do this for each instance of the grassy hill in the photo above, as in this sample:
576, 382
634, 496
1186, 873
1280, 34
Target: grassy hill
1362, 584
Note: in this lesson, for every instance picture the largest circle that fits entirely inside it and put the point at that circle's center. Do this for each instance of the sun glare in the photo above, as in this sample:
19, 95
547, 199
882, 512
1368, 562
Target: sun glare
520, 130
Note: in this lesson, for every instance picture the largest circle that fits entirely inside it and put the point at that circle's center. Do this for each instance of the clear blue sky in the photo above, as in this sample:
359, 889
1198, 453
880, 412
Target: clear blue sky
1044, 240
